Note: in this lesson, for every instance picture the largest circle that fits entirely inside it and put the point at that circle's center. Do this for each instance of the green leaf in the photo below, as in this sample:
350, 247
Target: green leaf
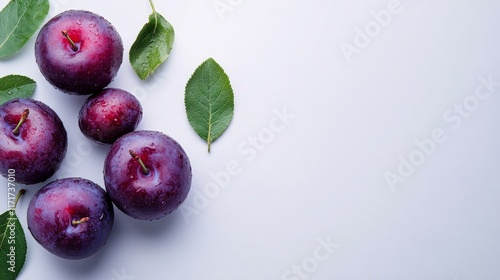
209, 101
19, 20
16, 86
12, 243
152, 46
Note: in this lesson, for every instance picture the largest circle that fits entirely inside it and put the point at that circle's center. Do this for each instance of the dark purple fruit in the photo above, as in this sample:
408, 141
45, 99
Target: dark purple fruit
109, 114
33, 140
147, 174
78, 52
72, 218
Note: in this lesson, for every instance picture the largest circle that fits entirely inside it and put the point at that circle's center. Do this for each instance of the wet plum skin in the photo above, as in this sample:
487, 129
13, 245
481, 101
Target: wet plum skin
109, 114
55, 207
39, 149
147, 196
92, 66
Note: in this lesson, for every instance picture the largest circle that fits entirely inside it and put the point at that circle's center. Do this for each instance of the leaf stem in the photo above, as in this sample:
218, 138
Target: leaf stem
154, 13
152, 6
135, 156
18, 196
24, 117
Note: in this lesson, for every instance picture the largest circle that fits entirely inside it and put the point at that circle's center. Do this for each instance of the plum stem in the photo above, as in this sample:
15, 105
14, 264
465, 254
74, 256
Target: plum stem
81, 221
72, 43
24, 117
135, 156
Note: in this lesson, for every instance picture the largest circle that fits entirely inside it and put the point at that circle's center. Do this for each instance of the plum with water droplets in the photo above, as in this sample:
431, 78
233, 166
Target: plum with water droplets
33, 140
109, 114
147, 174
79, 52
72, 217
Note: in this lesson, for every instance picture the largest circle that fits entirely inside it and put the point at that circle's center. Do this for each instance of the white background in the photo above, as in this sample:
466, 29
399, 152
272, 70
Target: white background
320, 176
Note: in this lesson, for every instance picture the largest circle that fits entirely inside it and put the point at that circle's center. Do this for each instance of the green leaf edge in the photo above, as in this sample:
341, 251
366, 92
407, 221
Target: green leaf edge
26, 82
154, 18
210, 138
43, 9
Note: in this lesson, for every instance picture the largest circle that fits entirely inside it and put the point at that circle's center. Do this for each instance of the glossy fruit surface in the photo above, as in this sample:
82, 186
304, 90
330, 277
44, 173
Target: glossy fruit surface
78, 52
109, 114
36, 150
71, 217
151, 191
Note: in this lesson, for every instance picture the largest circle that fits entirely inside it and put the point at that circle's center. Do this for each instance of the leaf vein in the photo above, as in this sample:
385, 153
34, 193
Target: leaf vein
13, 29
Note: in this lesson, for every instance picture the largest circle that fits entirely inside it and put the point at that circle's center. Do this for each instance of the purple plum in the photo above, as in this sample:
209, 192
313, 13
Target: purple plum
72, 217
79, 52
33, 140
147, 174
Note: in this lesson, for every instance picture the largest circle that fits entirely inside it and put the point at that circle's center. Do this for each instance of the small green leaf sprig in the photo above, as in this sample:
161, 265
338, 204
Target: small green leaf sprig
152, 46
209, 101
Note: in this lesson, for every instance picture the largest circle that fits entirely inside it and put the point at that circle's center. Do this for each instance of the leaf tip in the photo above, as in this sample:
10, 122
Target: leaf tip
211, 61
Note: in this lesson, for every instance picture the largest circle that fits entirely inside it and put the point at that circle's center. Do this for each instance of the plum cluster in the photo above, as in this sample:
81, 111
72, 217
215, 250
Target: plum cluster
147, 174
